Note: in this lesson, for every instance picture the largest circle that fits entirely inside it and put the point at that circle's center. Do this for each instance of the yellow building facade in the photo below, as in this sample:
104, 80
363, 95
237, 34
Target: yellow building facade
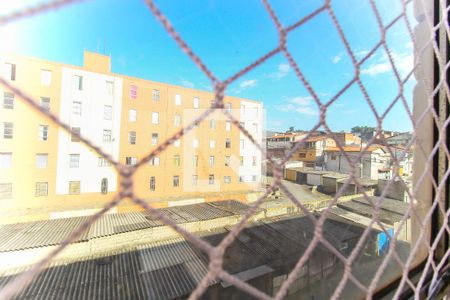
46, 170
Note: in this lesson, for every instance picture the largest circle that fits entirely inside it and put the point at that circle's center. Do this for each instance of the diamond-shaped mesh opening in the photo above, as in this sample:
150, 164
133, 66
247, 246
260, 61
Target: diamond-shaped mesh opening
320, 244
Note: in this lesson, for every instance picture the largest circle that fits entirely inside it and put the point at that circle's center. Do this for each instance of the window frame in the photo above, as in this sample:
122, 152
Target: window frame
43, 132
38, 189
8, 133
8, 100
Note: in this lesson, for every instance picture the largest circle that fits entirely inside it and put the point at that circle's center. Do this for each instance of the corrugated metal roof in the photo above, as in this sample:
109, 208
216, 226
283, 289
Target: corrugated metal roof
173, 268
40, 233
52, 232
159, 270
388, 204
368, 211
232, 206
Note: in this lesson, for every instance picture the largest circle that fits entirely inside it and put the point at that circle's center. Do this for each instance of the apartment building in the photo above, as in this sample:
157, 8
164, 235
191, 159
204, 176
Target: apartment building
43, 165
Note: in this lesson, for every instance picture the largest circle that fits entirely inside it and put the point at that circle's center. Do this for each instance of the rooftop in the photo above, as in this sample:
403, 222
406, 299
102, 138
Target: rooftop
361, 181
52, 232
357, 148
389, 212
173, 268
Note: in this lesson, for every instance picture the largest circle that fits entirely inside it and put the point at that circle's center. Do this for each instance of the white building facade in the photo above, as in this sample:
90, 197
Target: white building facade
90, 104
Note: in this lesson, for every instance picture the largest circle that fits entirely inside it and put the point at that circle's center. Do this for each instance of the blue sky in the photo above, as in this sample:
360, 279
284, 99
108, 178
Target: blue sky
228, 35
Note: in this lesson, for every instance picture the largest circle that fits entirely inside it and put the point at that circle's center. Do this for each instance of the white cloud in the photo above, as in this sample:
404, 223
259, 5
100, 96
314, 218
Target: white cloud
337, 58
186, 83
303, 105
404, 63
246, 84
360, 53
283, 70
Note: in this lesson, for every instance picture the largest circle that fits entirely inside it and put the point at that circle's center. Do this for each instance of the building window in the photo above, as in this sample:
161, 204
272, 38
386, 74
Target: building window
227, 179
212, 124
227, 161
155, 95
45, 103
104, 186
155, 118
176, 143
5, 160
195, 143
154, 161
75, 130
212, 144
103, 162
228, 126
177, 99
243, 109
74, 187
130, 160
152, 183
228, 107
194, 180
107, 112
43, 132
154, 139
109, 87
195, 160
301, 155
255, 128
133, 91
211, 179
8, 130
196, 102
241, 160
76, 108
74, 161
177, 120
8, 100
5, 191
176, 160
176, 181
132, 137
10, 71
41, 189
132, 115
253, 160
254, 178
241, 143
78, 82
107, 136
241, 178
46, 77
41, 160
211, 161
228, 143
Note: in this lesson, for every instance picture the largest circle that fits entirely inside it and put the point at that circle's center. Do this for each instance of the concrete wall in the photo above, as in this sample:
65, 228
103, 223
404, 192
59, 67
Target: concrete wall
314, 179
329, 185
290, 175
394, 191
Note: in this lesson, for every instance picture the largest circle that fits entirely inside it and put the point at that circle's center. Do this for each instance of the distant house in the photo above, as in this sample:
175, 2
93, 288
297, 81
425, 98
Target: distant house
313, 150
346, 138
279, 144
373, 163
401, 139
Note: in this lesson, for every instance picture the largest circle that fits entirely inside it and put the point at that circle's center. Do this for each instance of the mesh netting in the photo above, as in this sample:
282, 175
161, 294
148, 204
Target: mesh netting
427, 48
